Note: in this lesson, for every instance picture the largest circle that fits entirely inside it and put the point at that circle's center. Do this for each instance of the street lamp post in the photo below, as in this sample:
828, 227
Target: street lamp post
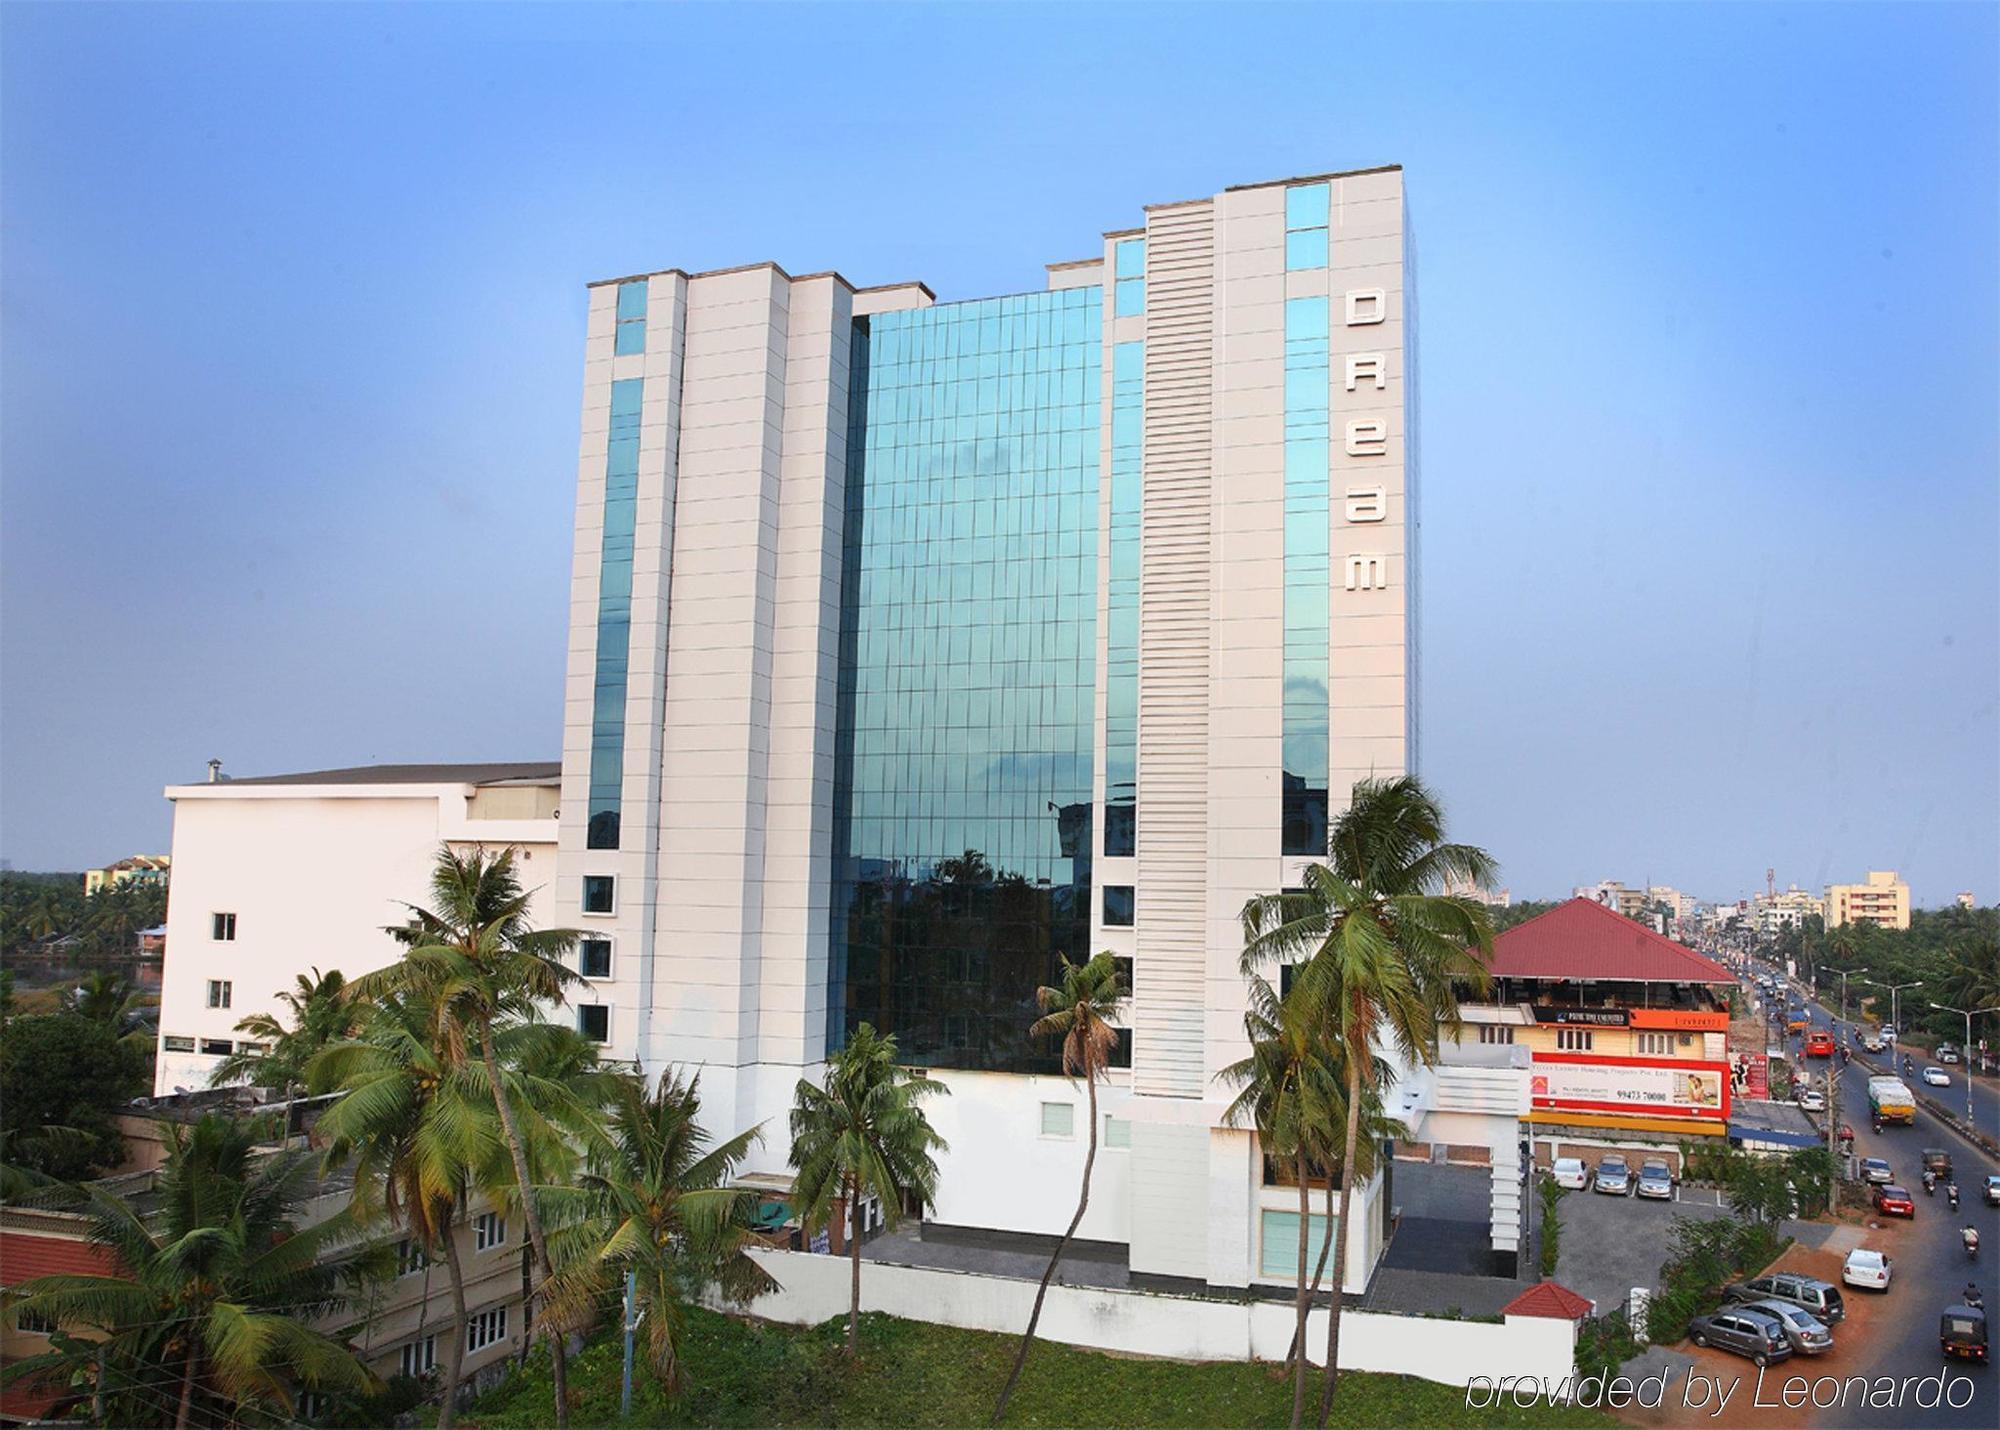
1895, 1005
1965, 1055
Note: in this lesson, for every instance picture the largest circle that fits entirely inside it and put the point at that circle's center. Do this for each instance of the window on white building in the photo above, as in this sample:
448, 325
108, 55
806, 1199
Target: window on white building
217, 1047
593, 958
489, 1229
219, 992
420, 1358
174, 1043
1058, 1119
600, 894
1656, 1045
486, 1329
1495, 1033
1278, 1254
593, 1021
1117, 1132
1573, 1040
410, 1257
223, 927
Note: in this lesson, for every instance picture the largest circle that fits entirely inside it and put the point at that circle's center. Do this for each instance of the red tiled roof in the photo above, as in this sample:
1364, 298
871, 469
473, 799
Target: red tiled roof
1547, 1299
23, 1257
1580, 939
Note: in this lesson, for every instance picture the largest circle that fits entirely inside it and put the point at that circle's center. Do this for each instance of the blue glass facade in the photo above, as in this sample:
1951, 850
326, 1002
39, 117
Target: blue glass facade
630, 334
1121, 637
963, 775
1128, 259
1307, 208
1307, 517
614, 612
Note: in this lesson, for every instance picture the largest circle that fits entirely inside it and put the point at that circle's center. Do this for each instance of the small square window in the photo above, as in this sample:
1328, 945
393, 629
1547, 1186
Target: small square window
220, 991
223, 927
593, 1021
172, 1043
593, 958
420, 1357
599, 893
489, 1229
1120, 831
1118, 906
1117, 1132
1058, 1119
217, 1047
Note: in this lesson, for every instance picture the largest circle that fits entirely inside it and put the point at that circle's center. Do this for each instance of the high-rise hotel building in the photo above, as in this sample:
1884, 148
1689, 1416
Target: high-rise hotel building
915, 646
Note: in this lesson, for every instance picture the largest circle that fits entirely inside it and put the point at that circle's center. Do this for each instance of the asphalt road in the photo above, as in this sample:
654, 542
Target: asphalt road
1931, 1267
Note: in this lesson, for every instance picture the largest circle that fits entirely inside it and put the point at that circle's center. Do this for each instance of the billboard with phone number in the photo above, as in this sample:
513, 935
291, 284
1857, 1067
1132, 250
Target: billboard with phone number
1663, 1087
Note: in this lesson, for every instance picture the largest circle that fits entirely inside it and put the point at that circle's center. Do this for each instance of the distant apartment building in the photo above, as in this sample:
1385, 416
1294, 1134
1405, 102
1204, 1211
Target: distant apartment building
1614, 896
286, 873
1467, 889
1964, 899
1883, 901
137, 869
1790, 909
1681, 904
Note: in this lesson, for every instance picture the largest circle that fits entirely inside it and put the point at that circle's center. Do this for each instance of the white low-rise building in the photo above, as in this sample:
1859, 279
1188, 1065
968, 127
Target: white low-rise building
278, 875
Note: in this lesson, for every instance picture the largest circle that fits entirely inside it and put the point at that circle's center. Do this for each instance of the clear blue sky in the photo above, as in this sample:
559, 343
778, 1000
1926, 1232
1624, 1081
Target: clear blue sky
293, 326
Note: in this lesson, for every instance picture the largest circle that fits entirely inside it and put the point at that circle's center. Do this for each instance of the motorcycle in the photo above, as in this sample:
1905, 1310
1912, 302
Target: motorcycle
1969, 1238
1952, 1193
1930, 1182
1972, 1297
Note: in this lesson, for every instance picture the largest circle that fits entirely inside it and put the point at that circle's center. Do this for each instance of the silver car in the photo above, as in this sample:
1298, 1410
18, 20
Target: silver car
1656, 1180
1614, 1178
1807, 1333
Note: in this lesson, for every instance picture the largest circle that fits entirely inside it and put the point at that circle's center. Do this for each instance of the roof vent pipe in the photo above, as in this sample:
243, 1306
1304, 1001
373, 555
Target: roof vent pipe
215, 772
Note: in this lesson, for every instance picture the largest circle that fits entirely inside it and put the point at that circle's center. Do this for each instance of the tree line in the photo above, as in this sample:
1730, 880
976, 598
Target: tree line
223, 1306
51, 913
1953, 954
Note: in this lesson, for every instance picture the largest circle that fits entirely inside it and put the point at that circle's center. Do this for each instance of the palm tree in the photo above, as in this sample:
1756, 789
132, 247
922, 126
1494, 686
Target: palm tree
217, 1288
478, 962
656, 1205
111, 999
1080, 1012
1380, 954
321, 1014
418, 1132
1288, 1091
864, 1132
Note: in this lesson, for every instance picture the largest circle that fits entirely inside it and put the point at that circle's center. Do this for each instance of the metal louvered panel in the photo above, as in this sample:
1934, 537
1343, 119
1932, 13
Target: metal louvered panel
1174, 584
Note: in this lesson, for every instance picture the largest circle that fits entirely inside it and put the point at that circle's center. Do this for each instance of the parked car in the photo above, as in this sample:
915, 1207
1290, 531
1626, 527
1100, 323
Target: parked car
1822, 1298
1756, 1334
1867, 1268
1656, 1179
1894, 1201
1807, 1333
1876, 1169
1811, 1099
1938, 1160
1614, 1178
1993, 1191
1946, 1053
1937, 1077
1569, 1173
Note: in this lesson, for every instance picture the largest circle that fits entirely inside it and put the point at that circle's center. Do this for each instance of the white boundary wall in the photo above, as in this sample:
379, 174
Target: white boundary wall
815, 1289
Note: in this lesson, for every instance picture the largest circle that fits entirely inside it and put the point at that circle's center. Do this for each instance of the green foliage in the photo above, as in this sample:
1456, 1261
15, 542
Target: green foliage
50, 912
1604, 1343
319, 1014
65, 1070
1706, 1256
918, 1375
1708, 1161
1552, 1195
214, 1291
1513, 914
1954, 951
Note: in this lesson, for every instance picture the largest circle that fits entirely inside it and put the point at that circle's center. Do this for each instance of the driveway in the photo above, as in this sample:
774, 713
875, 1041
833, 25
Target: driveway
1611, 1244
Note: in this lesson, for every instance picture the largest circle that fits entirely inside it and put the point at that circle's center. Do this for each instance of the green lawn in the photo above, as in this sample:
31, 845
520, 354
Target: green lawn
916, 1374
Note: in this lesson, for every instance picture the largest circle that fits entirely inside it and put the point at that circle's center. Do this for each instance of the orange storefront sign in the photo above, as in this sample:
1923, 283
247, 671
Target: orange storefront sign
1681, 1021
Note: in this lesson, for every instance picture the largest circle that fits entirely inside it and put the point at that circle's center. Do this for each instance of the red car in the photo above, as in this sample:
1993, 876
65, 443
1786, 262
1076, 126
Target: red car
1894, 1201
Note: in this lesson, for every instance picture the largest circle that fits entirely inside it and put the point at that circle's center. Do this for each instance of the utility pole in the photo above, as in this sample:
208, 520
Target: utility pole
1896, 1009
625, 1392
1965, 1050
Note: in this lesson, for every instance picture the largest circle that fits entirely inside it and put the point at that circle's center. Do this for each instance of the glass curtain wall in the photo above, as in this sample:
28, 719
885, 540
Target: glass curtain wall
963, 779
1121, 643
614, 610
1307, 517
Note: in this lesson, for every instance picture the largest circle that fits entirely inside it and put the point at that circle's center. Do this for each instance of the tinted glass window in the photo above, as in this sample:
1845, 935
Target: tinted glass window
593, 1020
1118, 905
963, 797
598, 893
593, 958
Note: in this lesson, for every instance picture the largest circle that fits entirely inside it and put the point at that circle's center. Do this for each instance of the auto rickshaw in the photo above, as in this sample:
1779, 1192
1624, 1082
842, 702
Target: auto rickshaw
1962, 1332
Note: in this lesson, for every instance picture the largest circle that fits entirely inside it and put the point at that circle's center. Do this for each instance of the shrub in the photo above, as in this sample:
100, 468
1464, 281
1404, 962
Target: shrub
1551, 1224
1603, 1343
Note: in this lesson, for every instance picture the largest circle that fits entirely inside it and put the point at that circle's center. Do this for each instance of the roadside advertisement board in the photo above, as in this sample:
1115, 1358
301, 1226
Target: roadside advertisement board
1660, 1087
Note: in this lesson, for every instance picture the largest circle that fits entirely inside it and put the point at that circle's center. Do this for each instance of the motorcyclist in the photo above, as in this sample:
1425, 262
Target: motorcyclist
1972, 1297
1969, 1238
1951, 1191
1930, 1181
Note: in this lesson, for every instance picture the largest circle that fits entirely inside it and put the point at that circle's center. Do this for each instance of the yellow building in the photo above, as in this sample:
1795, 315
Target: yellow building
139, 868
1883, 901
